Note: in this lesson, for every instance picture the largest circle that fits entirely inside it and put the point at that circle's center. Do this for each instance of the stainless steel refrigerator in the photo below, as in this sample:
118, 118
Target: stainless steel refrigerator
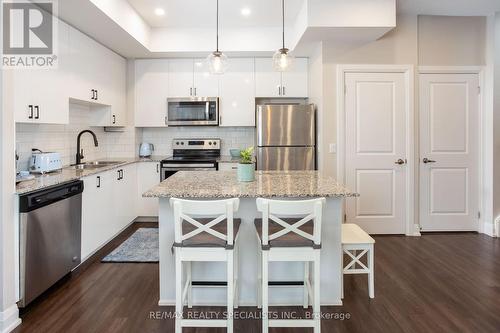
286, 137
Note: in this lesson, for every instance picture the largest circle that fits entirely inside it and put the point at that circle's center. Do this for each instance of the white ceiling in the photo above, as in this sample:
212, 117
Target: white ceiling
201, 13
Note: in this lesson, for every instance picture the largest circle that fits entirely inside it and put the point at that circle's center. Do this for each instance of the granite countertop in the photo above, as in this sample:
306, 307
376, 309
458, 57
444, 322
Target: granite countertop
223, 184
68, 173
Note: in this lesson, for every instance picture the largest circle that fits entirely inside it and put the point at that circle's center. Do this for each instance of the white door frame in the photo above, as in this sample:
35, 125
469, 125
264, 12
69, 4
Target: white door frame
411, 228
479, 70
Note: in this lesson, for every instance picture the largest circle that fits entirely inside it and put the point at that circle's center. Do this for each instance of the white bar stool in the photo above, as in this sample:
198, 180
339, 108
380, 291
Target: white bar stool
355, 239
208, 238
290, 231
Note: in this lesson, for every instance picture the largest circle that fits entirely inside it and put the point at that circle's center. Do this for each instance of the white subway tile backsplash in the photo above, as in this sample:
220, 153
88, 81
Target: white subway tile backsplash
62, 139
232, 137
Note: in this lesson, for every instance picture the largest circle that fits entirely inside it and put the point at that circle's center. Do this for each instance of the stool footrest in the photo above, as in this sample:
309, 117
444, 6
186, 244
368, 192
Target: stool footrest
285, 283
209, 283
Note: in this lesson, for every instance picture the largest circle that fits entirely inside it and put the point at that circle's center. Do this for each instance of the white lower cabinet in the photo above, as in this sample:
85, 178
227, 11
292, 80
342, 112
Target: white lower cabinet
228, 166
148, 175
108, 206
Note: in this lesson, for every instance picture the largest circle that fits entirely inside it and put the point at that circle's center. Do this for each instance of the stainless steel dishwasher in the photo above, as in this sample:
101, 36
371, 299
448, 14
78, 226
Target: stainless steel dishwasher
50, 237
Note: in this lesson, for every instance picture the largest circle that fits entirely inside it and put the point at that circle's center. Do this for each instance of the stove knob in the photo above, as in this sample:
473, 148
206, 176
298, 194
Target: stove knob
177, 143
215, 143
182, 143
210, 142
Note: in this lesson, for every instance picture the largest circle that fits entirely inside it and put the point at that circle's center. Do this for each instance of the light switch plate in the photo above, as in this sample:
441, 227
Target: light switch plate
332, 148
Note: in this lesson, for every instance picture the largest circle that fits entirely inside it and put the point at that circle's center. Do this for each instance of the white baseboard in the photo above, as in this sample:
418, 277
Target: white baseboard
9, 319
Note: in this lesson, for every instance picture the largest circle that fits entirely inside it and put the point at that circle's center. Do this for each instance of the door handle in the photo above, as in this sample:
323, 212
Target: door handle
426, 160
190, 91
114, 119
157, 168
400, 161
30, 116
37, 112
195, 91
96, 95
279, 90
98, 181
93, 94
283, 89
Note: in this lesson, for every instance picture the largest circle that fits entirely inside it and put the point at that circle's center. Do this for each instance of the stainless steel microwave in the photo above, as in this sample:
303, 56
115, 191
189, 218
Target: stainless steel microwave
193, 111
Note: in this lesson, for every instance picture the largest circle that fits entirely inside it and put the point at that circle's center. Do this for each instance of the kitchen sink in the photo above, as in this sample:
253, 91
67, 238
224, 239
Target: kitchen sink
94, 165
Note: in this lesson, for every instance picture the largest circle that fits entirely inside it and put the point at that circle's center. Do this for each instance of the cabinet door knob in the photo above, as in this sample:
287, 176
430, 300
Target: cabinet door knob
400, 162
426, 160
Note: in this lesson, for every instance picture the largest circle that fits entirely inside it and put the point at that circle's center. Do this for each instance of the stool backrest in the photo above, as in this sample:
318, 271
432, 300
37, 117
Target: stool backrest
188, 210
306, 209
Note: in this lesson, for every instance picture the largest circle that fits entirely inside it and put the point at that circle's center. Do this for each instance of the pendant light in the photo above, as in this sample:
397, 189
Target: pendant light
282, 59
217, 61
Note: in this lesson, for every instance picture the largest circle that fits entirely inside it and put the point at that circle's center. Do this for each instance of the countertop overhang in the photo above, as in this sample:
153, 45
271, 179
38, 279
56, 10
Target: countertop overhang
267, 184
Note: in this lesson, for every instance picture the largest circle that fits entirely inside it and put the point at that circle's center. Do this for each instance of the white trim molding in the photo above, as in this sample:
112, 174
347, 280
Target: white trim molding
411, 228
9, 319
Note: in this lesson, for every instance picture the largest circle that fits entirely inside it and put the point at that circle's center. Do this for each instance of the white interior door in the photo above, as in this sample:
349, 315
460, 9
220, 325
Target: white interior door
375, 110
449, 120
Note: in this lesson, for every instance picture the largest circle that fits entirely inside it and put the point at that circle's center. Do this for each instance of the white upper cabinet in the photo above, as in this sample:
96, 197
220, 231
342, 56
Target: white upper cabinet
294, 81
180, 80
83, 86
205, 84
267, 80
151, 92
40, 95
191, 78
237, 94
98, 78
271, 83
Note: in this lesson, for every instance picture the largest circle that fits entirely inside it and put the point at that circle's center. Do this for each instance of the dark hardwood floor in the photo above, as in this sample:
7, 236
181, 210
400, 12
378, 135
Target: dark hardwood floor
435, 283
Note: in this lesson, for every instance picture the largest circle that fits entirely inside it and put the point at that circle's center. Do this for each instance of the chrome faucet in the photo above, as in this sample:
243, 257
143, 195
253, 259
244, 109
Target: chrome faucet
79, 152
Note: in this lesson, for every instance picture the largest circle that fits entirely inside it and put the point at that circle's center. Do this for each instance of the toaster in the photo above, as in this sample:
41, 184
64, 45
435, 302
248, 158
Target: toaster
42, 162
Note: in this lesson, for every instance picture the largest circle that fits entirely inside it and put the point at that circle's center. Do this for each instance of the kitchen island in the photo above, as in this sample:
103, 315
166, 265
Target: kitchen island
268, 184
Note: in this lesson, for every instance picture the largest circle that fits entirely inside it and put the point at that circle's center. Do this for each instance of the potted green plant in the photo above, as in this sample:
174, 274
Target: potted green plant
246, 168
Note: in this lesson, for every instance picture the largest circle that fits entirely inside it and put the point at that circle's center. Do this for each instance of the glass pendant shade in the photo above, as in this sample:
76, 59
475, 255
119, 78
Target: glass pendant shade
217, 62
282, 60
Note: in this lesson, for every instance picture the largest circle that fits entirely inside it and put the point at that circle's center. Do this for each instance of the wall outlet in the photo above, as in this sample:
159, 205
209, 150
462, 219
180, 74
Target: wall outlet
332, 148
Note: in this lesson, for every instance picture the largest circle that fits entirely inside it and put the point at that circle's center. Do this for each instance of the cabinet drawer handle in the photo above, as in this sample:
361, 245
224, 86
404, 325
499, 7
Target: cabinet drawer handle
98, 181
30, 116
37, 112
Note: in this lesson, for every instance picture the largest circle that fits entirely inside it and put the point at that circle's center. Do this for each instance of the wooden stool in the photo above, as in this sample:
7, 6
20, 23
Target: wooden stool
204, 239
296, 237
355, 239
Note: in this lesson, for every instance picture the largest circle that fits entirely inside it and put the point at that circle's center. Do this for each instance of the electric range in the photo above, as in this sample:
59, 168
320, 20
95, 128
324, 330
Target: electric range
191, 155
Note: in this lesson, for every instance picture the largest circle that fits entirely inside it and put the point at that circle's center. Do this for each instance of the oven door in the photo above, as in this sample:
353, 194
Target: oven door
168, 170
193, 112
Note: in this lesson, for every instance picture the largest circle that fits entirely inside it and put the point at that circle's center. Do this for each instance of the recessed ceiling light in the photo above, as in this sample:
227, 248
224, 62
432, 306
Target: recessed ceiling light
245, 11
160, 11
